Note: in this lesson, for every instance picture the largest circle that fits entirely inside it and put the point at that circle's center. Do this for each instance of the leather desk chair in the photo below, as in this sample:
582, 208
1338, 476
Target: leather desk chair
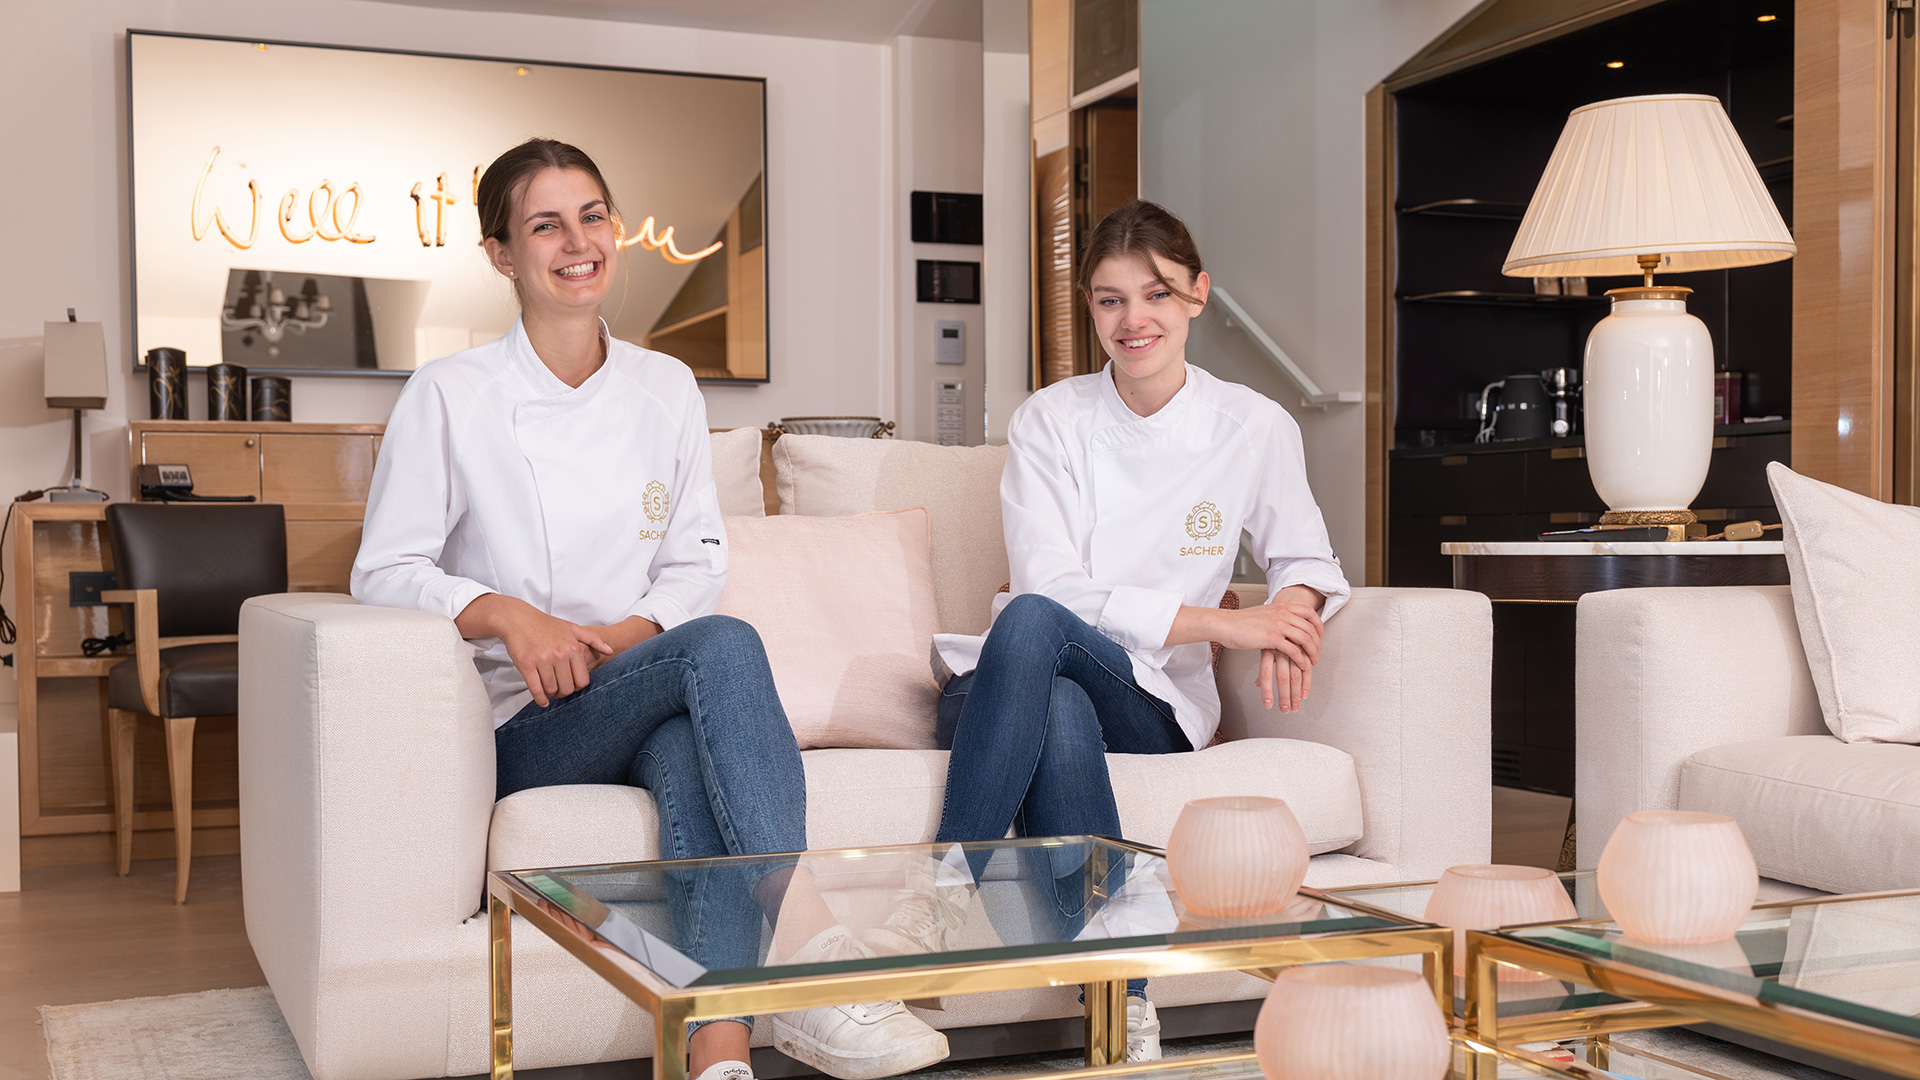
186, 570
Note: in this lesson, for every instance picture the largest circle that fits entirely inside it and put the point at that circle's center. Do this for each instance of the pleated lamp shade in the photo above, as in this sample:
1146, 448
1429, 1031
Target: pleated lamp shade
1664, 174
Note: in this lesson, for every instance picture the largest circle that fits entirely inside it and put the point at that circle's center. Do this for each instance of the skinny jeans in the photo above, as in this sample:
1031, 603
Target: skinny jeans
692, 716
1030, 728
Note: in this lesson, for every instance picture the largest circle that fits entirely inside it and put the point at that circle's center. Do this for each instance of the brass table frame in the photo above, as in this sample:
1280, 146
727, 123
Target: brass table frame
1657, 999
1104, 972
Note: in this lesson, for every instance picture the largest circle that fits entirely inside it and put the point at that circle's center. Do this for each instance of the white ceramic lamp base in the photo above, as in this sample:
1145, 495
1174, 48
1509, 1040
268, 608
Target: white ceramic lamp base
1648, 396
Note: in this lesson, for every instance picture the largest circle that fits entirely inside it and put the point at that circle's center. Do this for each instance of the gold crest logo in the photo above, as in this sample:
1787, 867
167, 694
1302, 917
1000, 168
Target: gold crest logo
654, 501
1203, 523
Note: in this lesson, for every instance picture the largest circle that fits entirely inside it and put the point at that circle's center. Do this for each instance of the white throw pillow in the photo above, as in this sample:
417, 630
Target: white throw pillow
1854, 564
823, 476
736, 472
845, 608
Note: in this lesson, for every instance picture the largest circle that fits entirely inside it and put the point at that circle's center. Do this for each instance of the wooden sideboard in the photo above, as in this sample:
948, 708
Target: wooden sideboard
319, 472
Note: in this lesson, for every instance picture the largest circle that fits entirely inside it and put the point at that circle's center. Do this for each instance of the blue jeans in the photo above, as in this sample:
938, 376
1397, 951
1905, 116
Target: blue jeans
692, 716
1030, 728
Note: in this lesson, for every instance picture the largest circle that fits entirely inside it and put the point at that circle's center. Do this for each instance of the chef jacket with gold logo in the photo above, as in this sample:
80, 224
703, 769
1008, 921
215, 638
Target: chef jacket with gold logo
593, 503
1123, 519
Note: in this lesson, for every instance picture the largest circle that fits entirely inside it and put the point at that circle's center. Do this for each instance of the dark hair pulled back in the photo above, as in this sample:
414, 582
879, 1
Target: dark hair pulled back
510, 173
1141, 230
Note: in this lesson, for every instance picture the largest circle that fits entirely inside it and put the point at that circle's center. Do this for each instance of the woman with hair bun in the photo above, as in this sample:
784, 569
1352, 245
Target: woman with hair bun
552, 493
1124, 497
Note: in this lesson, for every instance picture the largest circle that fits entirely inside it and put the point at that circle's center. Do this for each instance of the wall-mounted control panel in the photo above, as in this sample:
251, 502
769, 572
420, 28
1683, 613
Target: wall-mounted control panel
949, 412
949, 342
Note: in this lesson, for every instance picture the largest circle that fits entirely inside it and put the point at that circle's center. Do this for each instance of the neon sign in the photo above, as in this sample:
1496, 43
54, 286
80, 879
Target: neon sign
326, 203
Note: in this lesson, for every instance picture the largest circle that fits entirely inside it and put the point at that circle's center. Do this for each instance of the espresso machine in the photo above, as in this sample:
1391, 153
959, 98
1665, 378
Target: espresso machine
1563, 386
1530, 405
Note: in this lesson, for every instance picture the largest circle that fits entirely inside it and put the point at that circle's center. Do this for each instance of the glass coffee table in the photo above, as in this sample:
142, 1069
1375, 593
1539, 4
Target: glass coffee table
1838, 976
1472, 1060
1024, 913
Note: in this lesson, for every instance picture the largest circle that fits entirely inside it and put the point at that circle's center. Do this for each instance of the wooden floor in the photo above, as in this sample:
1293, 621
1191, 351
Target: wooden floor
81, 934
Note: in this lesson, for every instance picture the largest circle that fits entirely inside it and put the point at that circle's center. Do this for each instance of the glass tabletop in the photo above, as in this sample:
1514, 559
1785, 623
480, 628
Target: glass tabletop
1849, 958
1545, 1060
711, 922
1409, 899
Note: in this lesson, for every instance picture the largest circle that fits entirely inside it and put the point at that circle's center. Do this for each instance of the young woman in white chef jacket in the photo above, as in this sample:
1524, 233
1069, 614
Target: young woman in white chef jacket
1124, 496
552, 492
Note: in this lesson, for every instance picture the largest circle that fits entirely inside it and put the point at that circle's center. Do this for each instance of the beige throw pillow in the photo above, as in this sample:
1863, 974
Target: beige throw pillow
845, 607
822, 476
1854, 564
736, 472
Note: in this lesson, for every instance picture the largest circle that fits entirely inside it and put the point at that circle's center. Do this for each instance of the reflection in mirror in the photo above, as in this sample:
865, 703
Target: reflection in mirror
342, 181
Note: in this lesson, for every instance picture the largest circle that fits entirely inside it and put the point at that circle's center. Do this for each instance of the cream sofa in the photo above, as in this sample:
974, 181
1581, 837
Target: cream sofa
1701, 699
367, 776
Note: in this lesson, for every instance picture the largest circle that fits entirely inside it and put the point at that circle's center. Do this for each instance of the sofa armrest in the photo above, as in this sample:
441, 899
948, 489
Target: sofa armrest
366, 790
1661, 674
1404, 685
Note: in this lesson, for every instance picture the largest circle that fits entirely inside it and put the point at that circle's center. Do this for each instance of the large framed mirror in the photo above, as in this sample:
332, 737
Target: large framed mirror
309, 209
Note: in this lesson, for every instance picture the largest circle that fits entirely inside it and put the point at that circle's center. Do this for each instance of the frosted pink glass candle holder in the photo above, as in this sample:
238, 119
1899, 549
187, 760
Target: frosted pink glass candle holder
1351, 1022
1678, 877
1491, 896
1237, 856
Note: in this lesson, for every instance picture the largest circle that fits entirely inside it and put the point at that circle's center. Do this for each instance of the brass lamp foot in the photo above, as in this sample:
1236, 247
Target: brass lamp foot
1647, 517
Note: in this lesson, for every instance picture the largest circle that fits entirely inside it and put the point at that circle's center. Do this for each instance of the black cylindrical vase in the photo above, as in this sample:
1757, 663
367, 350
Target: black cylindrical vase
272, 398
226, 392
167, 384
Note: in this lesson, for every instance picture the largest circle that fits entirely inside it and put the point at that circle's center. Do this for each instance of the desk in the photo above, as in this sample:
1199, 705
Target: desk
318, 472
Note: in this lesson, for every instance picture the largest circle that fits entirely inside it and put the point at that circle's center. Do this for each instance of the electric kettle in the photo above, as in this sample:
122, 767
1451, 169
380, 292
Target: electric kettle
1516, 407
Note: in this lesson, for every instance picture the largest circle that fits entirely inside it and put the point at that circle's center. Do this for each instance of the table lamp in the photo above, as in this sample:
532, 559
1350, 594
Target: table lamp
1636, 185
76, 378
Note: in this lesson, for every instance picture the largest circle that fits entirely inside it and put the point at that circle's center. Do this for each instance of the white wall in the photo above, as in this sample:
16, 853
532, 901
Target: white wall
61, 73
937, 147
1253, 130
1006, 163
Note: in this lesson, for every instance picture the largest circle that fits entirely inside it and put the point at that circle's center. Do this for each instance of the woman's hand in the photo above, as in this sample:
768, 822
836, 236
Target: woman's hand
553, 655
1287, 632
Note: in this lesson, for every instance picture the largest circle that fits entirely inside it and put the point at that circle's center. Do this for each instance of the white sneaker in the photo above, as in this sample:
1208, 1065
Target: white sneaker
854, 1042
1143, 1030
727, 1070
932, 908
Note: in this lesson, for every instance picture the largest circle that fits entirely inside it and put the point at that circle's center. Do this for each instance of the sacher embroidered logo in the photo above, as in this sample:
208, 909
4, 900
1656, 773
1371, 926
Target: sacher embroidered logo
1204, 523
654, 501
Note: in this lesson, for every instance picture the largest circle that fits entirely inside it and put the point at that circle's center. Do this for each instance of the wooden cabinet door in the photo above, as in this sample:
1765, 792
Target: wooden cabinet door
222, 464
316, 468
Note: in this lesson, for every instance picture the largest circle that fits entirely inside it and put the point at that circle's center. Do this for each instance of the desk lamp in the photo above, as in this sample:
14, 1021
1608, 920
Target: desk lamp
1636, 185
76, 378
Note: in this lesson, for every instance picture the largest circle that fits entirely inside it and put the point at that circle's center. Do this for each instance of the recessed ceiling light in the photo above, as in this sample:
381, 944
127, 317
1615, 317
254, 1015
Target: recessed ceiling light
519, 71
1616, 64
1767, 18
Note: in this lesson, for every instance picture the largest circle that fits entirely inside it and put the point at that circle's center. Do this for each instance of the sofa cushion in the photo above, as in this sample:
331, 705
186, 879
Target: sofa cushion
736, 472
823, 476
845, 608
858, 798
1843, 817
1854, 563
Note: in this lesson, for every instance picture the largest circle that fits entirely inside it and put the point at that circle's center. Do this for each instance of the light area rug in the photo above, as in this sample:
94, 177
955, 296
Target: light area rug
240, 1035
214, 1035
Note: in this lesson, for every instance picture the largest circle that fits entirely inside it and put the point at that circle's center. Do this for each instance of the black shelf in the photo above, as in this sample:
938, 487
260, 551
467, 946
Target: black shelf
1482, 298
1486, 209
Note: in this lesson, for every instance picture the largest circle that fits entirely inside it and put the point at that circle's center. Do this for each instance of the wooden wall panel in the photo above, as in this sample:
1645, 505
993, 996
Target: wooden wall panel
1842, 216
1379, 329
1051, 48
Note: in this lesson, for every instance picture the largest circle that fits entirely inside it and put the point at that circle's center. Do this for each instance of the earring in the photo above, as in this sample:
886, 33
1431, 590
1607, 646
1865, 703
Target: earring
509, 273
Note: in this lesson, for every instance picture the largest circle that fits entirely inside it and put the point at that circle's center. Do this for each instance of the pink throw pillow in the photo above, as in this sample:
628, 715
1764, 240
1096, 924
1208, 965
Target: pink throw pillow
845, 606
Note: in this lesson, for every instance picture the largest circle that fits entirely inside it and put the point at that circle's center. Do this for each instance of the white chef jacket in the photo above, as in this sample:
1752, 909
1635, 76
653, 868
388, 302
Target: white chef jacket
593, 503
1123, 519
